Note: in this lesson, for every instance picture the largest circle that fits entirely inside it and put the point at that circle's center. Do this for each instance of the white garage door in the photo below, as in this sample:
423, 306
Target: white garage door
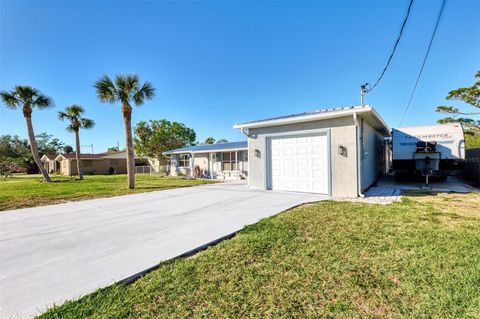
299, 163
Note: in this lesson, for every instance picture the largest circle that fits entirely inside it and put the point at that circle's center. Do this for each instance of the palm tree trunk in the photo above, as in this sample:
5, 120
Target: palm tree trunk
79, 161
127, 120
34, 148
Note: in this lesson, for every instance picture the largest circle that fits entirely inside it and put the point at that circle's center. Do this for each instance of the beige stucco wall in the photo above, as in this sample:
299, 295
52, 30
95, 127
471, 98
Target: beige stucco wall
343, 168
94, 167
64, 167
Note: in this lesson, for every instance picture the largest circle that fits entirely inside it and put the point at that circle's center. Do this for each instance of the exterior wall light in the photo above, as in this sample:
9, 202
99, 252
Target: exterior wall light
257, 153
342, 150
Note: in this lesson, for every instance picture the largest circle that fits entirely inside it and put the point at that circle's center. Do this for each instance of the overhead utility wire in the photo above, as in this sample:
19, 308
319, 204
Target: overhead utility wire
394, 47
424, 62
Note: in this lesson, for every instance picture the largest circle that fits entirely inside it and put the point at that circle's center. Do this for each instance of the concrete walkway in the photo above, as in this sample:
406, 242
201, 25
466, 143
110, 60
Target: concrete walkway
54, 253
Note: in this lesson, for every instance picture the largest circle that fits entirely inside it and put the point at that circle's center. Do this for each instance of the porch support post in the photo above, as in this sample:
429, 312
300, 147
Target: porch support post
192, 165
236, 164
210, 166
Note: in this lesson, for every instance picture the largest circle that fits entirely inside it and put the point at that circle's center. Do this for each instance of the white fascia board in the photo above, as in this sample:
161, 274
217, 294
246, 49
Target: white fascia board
305, 118
207, 151
380, 119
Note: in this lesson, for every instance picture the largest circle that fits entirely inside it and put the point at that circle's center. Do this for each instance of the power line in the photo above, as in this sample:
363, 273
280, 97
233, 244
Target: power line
394, 47
424, 62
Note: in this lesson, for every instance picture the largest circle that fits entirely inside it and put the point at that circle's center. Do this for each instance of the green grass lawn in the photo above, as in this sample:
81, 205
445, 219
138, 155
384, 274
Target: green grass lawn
28, 190
419, 258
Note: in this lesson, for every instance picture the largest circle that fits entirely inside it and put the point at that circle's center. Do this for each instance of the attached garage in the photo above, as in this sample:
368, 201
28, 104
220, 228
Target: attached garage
338, 152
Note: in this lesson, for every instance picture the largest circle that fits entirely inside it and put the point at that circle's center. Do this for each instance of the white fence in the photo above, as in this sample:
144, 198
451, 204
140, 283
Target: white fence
149, 169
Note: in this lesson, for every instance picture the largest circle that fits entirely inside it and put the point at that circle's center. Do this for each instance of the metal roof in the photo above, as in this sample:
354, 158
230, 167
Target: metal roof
313, 112
209, 147
366, 111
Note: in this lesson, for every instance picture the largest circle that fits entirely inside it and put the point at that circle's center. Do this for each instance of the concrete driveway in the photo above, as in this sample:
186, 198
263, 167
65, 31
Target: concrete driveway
54, 253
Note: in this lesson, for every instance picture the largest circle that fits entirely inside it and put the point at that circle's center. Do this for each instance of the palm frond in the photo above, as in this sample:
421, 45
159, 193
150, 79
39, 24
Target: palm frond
146, 92
62, 116
26, 93
9, 99
75, 110
123, 87
42, 101
87, 123
70, 128
106, 91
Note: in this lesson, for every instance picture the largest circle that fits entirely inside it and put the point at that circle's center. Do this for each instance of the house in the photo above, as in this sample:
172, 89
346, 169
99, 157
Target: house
226, 161
338, 151
49, 163
93, 164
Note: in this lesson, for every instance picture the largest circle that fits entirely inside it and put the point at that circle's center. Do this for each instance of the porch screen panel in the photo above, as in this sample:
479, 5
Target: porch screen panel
228, 161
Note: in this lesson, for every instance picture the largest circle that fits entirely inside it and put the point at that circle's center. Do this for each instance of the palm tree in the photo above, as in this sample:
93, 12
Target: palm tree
73, 113
28, 98
125, 90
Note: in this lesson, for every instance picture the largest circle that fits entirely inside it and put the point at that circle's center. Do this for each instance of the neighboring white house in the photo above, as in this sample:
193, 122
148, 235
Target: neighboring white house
338, 151
225, 161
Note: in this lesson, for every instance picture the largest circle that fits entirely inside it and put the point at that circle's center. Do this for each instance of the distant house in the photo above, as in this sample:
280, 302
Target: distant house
93, 164
226, 161
49, 163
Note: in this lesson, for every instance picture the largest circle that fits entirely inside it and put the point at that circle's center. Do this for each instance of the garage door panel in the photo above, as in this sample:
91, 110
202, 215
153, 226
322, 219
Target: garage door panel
299, 163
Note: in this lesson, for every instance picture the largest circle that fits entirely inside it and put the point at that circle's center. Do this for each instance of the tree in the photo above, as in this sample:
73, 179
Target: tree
112, 149
222, 140
154, 137
125, 90
16, 150
7, 167
209, 140
73, 113
469, 95
48, 145
28, 98
67, 149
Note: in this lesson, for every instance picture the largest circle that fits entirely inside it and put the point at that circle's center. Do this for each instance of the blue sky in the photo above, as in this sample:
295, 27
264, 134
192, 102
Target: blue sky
215, 64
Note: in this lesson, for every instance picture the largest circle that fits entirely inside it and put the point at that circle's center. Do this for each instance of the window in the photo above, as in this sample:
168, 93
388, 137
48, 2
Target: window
184, 160
228, 161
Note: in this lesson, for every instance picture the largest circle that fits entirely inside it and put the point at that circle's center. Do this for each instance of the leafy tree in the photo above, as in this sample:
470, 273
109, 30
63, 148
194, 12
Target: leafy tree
125, 90
48, 145
28, 98
67, 149
154, 137
209, 140
7, 167
73, 114
112, 149
13, 146
17, 150
469, 95
222, 140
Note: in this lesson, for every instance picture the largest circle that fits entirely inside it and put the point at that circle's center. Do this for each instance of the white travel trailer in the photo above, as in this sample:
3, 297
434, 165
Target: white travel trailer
437, 150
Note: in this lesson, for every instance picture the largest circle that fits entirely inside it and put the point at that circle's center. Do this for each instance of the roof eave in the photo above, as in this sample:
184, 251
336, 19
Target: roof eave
206, 151
386, 128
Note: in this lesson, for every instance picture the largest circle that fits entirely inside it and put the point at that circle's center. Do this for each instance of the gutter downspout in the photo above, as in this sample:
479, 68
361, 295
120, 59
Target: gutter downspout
359, 166
245, 131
